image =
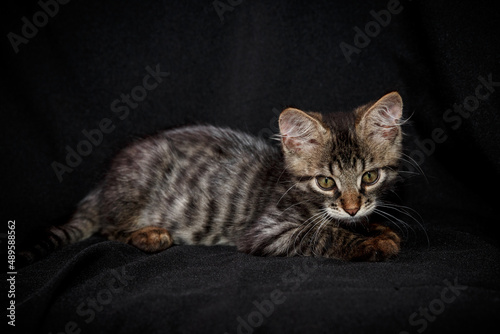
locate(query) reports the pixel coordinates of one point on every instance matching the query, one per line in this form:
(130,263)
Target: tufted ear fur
(380,123)
(301,133)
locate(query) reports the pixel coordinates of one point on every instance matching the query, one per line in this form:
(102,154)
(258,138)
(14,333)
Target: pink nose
(351,211)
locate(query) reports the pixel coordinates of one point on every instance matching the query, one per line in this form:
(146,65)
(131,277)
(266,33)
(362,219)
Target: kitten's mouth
(350,216)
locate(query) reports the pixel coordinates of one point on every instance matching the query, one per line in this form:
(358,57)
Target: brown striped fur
(212,186)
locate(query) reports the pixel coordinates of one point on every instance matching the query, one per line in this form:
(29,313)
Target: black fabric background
(262,57)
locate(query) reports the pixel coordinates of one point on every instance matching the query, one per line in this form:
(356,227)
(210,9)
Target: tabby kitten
(206,185)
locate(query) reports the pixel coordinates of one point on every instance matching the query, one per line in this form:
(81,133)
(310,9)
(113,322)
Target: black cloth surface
(92,76)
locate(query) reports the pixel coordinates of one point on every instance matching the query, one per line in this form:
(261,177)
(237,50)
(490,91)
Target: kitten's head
(346,161)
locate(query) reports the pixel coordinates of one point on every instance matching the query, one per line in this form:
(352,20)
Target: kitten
(204,185)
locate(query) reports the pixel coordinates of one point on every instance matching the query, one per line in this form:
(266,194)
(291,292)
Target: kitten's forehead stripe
(338,165)
(346,150)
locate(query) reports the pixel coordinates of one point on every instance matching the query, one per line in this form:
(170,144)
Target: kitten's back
(201,183)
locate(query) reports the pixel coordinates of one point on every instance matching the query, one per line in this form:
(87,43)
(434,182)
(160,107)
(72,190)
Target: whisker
(295,204)
(413,163)
(279,178)
(318,220)
(394,221)
(301,228)
(326,219)
(403,210)
(286,192)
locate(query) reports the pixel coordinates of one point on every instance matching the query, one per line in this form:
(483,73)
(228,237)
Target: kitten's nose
(352,211)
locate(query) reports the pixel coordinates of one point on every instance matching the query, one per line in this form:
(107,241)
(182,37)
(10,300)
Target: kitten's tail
(84,223)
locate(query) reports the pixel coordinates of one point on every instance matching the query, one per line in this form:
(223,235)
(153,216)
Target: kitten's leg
(337,242)
(332,242)
(150,239)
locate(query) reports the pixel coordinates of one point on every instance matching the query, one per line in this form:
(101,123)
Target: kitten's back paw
(151,239)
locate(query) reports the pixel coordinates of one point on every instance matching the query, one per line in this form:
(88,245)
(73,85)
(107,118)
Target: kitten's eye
(325,183)
(370,177)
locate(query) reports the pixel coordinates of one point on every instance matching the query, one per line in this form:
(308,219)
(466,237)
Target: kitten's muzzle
(351,202)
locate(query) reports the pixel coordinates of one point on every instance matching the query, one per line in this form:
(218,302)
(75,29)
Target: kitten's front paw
(384,245)
(151,239)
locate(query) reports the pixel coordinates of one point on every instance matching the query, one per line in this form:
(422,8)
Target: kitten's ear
(301,132)
(381,121)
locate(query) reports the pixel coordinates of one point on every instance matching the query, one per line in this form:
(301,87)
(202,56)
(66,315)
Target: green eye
(325,183)
(370,177)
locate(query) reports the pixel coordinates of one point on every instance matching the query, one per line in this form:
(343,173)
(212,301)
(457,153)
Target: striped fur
(213,186)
